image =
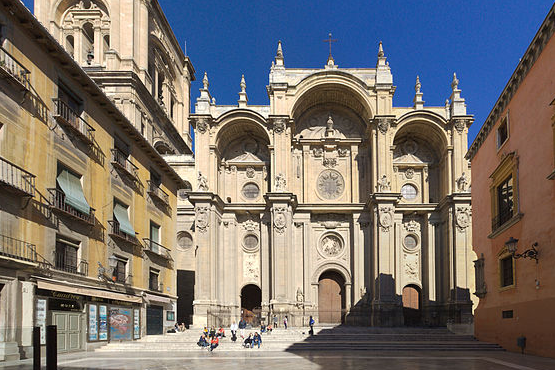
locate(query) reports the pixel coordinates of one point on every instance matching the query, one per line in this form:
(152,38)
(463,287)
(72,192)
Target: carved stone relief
(251,268)
(462,183)
(281,183)
(462,217)
(330,184)
(385,218)
(330,162)
(202,125)
(250,172)
(250,225)
(412,226)
(459,125)
(279,125)
(202,182)
(202,218)
(409,173)
(331,245)
(412,266)
(384,184)
(280,219)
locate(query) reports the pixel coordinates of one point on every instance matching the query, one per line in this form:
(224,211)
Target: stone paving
(260,360)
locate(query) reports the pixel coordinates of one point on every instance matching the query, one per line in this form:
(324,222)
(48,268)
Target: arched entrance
(251,300)
(412,305)
(331,297)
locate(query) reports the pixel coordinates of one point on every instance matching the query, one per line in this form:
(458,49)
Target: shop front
(85,316)
(160,313)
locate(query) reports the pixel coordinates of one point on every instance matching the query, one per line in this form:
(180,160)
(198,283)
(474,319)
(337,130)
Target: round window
(410,242)
(250,242)
(251,190)
(184,240)
(409,192)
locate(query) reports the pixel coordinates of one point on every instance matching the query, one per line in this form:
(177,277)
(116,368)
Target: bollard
(36,348)
(51,347)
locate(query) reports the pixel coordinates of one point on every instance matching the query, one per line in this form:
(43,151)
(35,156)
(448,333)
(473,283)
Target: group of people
(179,328)
(211,338)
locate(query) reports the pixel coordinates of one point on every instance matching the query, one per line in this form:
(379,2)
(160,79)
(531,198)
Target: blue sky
(481,41)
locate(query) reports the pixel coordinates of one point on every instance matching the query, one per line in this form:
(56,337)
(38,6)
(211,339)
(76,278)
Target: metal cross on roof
(330,40)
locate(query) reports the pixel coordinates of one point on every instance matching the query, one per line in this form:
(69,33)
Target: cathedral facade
(330,202)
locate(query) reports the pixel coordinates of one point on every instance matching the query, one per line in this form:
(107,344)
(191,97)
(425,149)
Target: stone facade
(330,181)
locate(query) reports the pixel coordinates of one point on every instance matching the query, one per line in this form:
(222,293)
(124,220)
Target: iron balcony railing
(155,191)
(503,216)
(9,65)
(21,250)
(157,248)
(64,264)
(70,119)
(120,160)
(17,178)
(155,286)
(116,233)
(58,203)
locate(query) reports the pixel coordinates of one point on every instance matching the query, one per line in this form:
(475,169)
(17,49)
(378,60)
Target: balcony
(155,192)
(155,286)
(117,234)
(67,265)
(58,205)
(503,216)
(68,118)
(16,179)
(121,162)
(11,68)
(157,249)
(21,250)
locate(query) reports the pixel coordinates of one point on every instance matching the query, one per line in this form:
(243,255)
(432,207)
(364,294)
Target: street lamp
(112,261)
(512,245)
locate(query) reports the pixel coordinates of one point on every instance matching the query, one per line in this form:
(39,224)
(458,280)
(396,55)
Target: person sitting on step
(212,332)
(202,342)
(214,342)
(248,341)
(269,329)
(221,332)
(256,340)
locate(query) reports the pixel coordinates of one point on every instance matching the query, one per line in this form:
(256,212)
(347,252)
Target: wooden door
(330,299)
(411,305)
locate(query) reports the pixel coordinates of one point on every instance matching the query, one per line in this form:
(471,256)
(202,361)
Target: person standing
(242,326)
(311,324)
(285,322)
(275,321)
(233,329)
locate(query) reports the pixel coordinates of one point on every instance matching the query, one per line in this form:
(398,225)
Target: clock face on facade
(409,192)
(330,184)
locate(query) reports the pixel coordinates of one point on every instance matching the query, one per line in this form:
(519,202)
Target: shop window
(503,132)
(119,274)
(504,194)
(506,271)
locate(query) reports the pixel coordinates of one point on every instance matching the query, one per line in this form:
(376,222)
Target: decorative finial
(455,83)
(243,84)
(205,81)
(279,53)
(380,50)
(418,85)
(329,126)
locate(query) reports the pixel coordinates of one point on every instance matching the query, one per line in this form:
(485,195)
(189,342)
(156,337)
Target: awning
(88,292)
(71,186)
(157,298)
(120,213)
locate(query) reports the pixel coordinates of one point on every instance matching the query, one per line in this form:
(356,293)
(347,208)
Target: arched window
(88,42)
(70,45)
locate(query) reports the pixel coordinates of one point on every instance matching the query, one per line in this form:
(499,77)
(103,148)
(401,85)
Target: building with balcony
(88,205)
(513,192)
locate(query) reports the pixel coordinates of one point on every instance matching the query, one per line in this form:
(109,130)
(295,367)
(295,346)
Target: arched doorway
(411,305)
(331,297)
(251,300)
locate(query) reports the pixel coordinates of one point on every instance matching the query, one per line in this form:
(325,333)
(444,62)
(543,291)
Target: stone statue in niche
(384,184)
(462,183)
(202,182)
(300,295)
(329,126)
(281,183)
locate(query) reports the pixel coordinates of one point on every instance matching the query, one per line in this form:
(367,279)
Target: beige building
(87,203)
(331,202)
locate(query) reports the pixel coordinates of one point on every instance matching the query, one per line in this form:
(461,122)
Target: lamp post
(512,245)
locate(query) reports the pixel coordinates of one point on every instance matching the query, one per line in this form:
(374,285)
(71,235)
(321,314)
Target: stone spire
(279,62)
(458,106)
(381,57)
(418,102)
(243,100)
(205,99)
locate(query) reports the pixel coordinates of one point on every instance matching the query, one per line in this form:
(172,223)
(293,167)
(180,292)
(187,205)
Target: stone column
(98,49)
(386,304)
(10,320)
(265,259)
(282,206)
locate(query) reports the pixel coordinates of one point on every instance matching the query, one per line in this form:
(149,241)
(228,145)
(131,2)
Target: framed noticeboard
(103,322)
(136,324)
(40,318)
(170,316)
(93,323)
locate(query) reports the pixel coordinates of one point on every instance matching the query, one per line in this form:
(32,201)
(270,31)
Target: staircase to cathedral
(340,338)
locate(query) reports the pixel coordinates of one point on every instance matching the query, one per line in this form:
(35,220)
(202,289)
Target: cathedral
(330,202)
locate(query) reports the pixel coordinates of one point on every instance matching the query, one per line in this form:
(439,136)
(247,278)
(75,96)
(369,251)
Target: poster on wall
(103,323)
(41,319)
(93,323)
(121,323)
(136,325)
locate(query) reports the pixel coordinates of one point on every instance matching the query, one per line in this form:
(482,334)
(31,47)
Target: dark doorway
(154,320)
(411,305)
(331,298)
(185,296)
(251,300)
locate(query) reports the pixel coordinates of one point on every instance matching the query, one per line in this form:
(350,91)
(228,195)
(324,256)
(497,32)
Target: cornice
(534,50)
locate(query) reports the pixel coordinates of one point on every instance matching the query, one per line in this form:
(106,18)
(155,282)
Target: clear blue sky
(481,40)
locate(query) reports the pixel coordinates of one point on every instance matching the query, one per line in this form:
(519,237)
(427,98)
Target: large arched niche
(335,88)
(312,124)
(419,148)
(62,6)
